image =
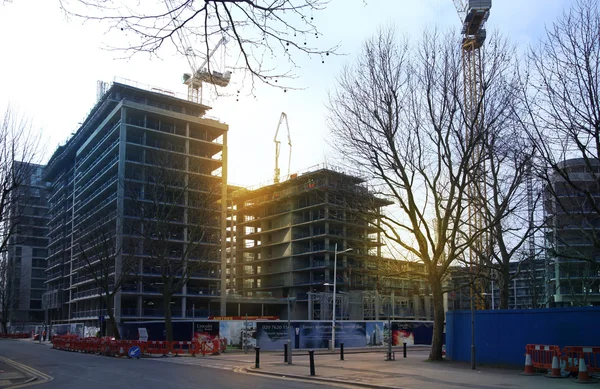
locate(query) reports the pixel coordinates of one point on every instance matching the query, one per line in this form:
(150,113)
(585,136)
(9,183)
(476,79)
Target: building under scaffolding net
(286,236)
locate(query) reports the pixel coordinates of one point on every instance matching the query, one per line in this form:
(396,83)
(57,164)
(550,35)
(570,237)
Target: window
(35,304)
(38,273)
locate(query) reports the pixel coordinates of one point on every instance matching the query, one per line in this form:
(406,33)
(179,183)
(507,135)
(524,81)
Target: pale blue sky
(50,66)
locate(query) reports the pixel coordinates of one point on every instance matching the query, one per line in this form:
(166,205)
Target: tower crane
(282,118)
(474,14)
(199,74)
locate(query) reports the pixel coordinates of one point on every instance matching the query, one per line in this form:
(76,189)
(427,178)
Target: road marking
(193,362)
(39,377)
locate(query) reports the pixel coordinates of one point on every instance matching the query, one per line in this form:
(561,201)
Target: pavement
(367,368)
(13,373)
(371,370)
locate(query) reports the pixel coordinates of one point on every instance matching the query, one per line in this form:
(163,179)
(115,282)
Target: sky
(50,65)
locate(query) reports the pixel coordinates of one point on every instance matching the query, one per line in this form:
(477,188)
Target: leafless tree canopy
(562,94)
(399,115)
(257,31)
(173,222)
(101,258)
(18,149)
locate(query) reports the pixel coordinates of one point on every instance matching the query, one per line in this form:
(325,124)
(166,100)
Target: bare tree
(100,257)
(562,93)
(176,220)
(260,31)
(399,114)
(7,292)
(18,150)
(508,210)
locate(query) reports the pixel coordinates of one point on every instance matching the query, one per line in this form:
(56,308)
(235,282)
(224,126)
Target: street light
(335,253)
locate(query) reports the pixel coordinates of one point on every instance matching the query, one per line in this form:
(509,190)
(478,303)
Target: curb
(251,370)
(33,374)
(19,383)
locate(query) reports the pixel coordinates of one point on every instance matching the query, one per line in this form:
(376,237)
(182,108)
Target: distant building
(526,288)
(573,233)
(27,245)
(286,239)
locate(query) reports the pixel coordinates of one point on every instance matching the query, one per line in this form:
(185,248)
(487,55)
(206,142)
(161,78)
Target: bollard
(285,351)
(311,356)
(404,349)
(257,362)
(341,351)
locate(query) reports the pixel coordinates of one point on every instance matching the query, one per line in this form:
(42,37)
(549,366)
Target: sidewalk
(372,371)
(11,376)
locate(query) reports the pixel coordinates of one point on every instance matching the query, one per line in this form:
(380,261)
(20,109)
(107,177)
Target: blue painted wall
(501,335)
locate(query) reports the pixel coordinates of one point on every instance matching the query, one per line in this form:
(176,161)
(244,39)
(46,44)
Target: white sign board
(142,334)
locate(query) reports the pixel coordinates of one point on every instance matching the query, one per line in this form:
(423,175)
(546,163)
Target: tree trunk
(504,288)
(438,319)
(111,317)
(168,320)
(4,326)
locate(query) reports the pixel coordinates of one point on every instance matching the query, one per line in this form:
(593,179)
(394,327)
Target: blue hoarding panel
(501,335)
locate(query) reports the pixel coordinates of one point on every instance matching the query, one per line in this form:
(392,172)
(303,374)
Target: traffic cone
(583,372)
(528,365)
(555,372)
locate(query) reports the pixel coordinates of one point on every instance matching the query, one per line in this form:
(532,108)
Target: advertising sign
(239,334)
(351,333)
(206,330)
(402,332)
(142,334)
(273,335)
(376,333)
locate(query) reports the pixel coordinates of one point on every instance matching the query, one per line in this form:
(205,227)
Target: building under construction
(288,236)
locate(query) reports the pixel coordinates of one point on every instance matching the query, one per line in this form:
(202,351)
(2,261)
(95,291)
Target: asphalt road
(83,371)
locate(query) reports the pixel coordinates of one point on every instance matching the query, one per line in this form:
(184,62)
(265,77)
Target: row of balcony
(88,183)
(149,290)
(98,144)
(146,312)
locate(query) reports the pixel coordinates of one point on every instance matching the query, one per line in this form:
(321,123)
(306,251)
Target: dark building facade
(287,236)
(143,171)
(572,211)
(27,244)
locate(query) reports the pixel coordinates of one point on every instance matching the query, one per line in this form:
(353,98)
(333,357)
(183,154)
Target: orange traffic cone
(528,365)
(555,372)
(583,372)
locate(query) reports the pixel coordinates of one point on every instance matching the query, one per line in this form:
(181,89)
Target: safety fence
(542,355)
(571,360)
(572,355)
(135,348)
(21,335)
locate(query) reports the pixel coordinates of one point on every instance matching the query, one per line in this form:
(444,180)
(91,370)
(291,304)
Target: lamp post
(335,253)
(193,321)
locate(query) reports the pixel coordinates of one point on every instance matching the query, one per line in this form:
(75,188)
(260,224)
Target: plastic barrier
(541,355)
(590,355)
(19,335)
(158,348)
(178,348)
(120,348)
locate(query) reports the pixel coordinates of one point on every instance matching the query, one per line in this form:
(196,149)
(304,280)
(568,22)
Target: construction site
(308,246)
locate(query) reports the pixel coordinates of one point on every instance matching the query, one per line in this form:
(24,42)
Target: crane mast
(473,15)
(282,118)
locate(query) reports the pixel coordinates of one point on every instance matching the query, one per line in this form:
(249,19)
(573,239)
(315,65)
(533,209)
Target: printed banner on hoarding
(206,330)
(273,335)
(402,332)
(239,334)
(351,333)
